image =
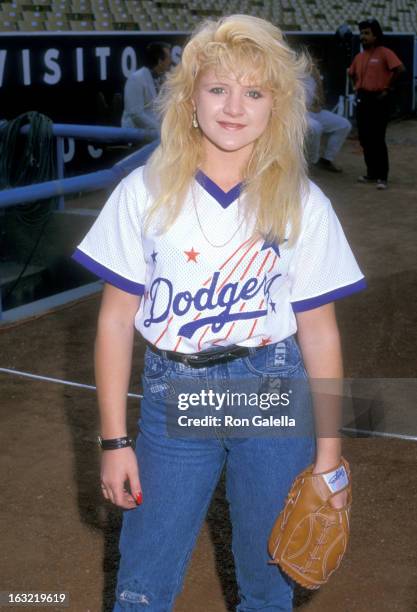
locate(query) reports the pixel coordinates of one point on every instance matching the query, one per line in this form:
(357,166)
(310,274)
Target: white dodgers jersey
(207,281)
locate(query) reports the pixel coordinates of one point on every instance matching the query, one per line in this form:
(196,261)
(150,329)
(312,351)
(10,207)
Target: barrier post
(60,168)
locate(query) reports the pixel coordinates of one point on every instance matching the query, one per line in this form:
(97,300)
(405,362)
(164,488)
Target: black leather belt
(205,358)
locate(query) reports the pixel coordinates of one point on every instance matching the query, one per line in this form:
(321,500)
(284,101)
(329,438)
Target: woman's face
(231,114)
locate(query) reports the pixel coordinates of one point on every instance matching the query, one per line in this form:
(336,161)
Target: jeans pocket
(282,359)
(155,366)
(157,377)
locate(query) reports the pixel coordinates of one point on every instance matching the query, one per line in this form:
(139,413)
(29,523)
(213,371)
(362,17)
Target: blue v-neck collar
(222,197)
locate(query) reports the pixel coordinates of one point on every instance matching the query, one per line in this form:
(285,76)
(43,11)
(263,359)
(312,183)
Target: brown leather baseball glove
(309,538)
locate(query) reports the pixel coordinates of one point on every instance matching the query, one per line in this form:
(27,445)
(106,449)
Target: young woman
(218,251)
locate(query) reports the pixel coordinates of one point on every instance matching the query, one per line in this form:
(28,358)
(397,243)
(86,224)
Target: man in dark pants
(374,71)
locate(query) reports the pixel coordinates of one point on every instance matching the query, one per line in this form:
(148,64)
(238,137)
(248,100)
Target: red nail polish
(139,498)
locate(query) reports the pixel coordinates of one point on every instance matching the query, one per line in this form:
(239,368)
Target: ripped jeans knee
(131,597)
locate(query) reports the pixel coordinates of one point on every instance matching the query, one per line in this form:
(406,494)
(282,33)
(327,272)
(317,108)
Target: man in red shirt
(373,71)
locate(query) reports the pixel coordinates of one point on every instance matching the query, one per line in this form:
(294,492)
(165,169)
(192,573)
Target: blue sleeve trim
(331,296)
(108,275)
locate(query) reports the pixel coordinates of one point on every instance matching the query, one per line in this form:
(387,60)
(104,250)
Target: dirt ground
(59,535)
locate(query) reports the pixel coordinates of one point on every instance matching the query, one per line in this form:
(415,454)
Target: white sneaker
(381,184)
(365,179)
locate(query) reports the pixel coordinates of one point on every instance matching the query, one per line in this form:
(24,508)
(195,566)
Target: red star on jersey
(265,341)
(192,255)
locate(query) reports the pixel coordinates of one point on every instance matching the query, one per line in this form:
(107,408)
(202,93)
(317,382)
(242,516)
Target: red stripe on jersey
(225,337)
(263,263)
(273,264)
(236,251)
(249,265)
(202,336)
(252,329)
(165,330)
(230,331)
(255,323)
(238,263)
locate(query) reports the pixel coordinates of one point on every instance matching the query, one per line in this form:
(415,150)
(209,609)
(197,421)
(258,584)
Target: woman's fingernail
(139,498)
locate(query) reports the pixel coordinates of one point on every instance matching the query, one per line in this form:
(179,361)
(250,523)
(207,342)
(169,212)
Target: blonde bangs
(247,64)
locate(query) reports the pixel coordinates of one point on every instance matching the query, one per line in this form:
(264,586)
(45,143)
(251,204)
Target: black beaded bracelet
(115,443)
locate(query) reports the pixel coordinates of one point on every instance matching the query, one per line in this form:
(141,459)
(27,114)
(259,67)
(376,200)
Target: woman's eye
(254,93)
(217,90)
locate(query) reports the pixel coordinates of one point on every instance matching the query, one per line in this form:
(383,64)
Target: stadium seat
(31,15)
(103,26)
(81,26)
(57,25)
(61,5)
(122,17)
(306,15)
(81,8)
(126,25)
(10,14)
(104,15)
(8,26)
(34,25)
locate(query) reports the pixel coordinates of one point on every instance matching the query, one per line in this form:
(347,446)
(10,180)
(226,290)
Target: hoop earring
(194,121)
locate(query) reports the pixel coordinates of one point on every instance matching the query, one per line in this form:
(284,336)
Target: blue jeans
(179,475)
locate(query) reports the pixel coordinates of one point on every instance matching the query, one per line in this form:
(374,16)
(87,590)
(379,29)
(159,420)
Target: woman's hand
(118,467)
(339,500)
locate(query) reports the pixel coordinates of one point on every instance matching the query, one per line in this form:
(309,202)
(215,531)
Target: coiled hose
(24,160)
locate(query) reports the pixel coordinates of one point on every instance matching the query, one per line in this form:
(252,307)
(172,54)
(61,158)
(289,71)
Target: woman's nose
(234,104)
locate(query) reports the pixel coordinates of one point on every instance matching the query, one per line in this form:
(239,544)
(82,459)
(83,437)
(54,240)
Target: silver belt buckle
(190,359)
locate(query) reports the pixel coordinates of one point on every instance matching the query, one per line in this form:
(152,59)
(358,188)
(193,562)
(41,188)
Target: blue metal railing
(84,182)
(98,133)
(87,182)
(92,181)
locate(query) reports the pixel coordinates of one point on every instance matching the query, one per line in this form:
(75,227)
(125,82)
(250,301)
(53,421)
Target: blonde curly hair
(275,175)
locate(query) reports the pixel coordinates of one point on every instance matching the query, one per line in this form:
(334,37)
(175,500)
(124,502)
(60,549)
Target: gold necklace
(217,246)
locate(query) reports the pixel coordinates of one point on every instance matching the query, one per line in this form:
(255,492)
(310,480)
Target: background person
(218,251)
(142,87)
(335,128)
(374,70)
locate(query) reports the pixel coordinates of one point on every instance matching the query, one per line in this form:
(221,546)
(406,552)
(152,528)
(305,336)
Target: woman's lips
(231,126)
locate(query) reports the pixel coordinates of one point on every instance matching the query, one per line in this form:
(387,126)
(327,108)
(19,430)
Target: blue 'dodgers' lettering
(203,298)
(157,288)
(163,300)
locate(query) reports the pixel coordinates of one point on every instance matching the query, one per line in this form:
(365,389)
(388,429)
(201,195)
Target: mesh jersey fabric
(196,295)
